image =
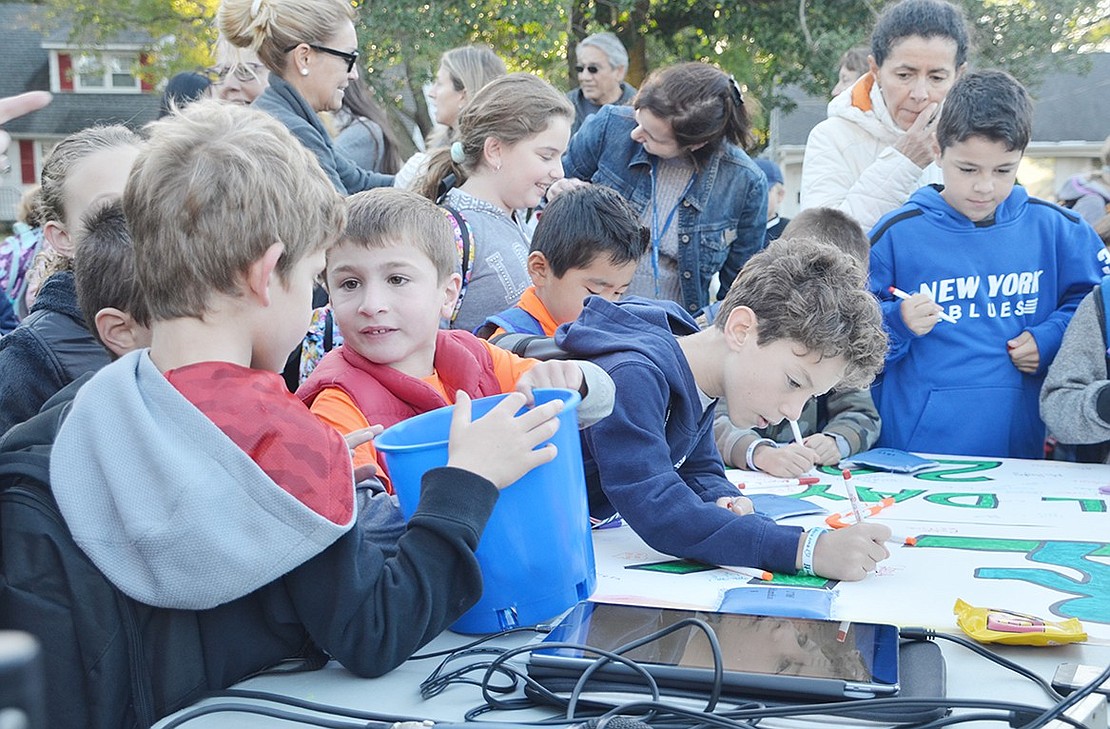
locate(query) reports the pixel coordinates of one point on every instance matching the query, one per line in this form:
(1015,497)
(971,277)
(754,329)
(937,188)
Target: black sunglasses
(592,69)
(350,57)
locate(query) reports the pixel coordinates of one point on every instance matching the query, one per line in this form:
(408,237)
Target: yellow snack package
(988,625)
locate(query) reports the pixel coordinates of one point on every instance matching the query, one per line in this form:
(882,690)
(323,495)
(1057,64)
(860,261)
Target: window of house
(106,72)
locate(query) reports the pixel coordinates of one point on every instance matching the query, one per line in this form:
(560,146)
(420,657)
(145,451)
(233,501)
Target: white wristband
(808,549)
(751,451)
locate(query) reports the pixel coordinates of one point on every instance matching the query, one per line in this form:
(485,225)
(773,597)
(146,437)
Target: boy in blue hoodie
(993,278)
(797,322)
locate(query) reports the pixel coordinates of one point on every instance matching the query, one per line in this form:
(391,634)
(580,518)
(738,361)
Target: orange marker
(753,572)
(837,521)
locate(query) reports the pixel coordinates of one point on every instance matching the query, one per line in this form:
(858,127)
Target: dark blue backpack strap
(464,241)
(514,320)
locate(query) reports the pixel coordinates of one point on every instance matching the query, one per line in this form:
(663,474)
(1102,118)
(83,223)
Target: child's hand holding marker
(786,461)
(919,311)
(849,554)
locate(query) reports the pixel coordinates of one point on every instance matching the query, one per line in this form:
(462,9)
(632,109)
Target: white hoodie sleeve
(848,169)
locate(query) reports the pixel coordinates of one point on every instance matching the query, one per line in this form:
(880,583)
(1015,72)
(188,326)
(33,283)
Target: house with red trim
(90,86)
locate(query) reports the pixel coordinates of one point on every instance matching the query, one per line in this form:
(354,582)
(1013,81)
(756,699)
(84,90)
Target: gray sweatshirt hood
(165,504)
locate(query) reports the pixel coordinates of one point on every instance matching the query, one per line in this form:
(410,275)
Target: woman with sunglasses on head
(676,157)
(311,50)
(238,76)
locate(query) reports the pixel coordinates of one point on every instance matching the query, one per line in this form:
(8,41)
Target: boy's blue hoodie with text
(654,459)
(955,389)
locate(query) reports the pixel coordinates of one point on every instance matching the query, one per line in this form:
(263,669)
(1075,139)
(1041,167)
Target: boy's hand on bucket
(356,438)
(499,446)
(552,373)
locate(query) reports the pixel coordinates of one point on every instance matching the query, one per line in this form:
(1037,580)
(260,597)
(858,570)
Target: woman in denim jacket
(675,156)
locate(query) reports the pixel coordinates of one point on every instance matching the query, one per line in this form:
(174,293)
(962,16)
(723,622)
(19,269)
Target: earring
(304,71)
(497,168)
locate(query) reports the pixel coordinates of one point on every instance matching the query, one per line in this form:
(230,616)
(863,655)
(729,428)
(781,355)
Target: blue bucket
(536,553)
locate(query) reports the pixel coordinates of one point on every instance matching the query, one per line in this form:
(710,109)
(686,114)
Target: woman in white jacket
(879,142)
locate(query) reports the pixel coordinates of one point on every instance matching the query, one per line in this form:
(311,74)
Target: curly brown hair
(811,293)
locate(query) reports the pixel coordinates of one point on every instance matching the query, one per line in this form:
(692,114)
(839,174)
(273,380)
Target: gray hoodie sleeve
(600,391)
(1077,380)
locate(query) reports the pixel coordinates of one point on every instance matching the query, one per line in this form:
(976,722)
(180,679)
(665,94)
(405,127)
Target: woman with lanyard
(675,155)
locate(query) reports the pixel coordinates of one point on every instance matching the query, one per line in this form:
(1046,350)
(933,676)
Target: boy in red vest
(392,278)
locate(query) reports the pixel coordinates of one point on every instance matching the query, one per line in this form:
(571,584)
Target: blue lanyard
(657,233)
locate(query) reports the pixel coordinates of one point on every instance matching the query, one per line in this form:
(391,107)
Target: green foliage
(402,42)
(766,44)
(182,32)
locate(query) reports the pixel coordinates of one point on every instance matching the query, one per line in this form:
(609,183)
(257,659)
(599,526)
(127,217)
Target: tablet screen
(866,654)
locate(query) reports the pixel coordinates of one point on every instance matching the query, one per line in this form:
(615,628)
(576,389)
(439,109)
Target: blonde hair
(215,188)
(511,109)
(29,209)
(386,217)
(470,69)
(271,27)
(66,156)
(50,204)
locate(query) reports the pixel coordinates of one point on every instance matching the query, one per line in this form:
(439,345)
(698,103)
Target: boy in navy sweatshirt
(993,278)
(797,322)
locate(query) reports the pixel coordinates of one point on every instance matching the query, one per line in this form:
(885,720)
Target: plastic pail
(536,553)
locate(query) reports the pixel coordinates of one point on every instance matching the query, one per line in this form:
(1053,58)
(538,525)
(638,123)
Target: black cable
(273,713)
(477,642)
(663,715)
(1057,712)
(299,703)
(710,634)
(513,652)
(964,718)
(927,634)
(438,680)
(836,708)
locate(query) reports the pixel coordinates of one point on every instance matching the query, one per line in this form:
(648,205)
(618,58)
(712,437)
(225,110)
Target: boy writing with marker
(391,279)
(832,426)
(1007,270)
(587,243)
(211,496)
(796,323)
